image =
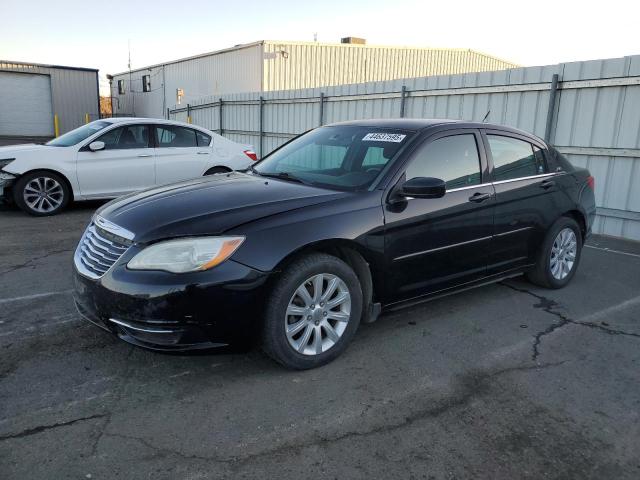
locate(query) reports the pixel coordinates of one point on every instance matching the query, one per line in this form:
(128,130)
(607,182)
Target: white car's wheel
(41,193)
(214,170)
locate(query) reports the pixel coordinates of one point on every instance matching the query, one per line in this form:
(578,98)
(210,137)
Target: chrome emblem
(113,228)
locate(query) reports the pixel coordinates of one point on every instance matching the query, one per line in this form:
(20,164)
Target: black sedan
(328,230)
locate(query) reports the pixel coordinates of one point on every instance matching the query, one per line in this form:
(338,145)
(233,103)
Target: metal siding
(74,92)
(310,65)
(201,77)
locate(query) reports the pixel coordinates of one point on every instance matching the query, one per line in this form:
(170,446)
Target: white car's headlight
(5,161)
(186,255)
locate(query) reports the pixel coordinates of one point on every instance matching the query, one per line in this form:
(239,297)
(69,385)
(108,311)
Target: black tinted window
(172,136)
(453,159)
(130,136)
(513,158)
(203,139)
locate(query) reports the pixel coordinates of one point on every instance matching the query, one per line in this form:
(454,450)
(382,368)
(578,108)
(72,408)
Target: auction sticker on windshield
(383,137)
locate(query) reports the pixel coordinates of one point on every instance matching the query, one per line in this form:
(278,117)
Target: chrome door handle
(479,197)
(203,153)
(145,155)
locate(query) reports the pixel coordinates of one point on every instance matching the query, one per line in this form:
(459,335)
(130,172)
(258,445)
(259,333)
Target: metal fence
(590,110)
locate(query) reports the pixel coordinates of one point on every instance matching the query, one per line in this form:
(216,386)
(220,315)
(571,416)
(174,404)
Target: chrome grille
(98,251)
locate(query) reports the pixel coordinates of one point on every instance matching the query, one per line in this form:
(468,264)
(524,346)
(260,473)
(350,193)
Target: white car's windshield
(79,134)
(341,157)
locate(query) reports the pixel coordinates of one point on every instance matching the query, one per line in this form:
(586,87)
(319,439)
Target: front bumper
(6,180)
(173,312)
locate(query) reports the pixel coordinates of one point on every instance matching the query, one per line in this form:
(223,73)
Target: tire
(313,350)
(557,244)
(215,170)
(41,193)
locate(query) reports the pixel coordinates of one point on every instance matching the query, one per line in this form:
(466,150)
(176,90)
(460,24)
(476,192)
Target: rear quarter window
(202,139)
(558,162)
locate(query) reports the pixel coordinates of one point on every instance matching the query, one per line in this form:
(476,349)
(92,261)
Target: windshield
(79,134)
(342,157)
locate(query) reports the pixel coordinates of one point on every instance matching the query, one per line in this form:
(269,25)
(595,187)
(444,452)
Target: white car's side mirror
(95,146)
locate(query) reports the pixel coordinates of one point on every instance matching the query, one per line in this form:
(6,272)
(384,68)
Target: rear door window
(171,136)
(514,158)
(454,159)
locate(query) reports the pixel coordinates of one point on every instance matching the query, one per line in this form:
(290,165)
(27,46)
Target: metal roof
(44,65)
(288,42)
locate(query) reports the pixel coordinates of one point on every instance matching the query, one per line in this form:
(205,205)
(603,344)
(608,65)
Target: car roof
(417,124)
(116,120)
(400,123)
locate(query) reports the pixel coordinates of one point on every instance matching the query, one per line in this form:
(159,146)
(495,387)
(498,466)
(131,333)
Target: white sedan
(112,157)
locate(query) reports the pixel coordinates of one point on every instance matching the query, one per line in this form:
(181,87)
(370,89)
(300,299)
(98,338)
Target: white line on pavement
(608,311)
(34,296)
(613,251)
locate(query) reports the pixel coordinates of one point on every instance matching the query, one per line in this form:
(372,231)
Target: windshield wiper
(282,176)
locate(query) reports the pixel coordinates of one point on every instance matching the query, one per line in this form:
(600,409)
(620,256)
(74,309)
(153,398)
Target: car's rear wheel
(41,193)
(559,255)
(215,170)
(312,312)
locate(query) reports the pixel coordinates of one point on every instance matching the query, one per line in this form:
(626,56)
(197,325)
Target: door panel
(178,156)
(526,199)
(125,165)
(523,213)
(436,243)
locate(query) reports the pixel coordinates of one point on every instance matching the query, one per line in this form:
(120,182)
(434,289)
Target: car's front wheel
(41,193)
(312,312)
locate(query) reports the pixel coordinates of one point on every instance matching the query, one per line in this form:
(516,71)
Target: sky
(98,35)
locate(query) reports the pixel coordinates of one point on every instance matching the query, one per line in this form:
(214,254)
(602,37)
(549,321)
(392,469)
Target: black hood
(209,205)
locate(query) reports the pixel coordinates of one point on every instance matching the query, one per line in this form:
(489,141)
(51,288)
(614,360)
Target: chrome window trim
(542,175)
(113,228)
(480,185)
(424,252)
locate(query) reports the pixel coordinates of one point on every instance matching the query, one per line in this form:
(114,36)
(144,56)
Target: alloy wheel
(317,314)
(563,253)
(43,194)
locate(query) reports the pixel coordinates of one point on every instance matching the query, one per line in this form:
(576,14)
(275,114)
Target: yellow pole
(56,125)
(86,118)
(189,119)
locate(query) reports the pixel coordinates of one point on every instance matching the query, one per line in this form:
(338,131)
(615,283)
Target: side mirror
(424,187)
(96,146)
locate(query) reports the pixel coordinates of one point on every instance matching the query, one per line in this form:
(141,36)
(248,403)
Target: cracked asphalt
(504,381)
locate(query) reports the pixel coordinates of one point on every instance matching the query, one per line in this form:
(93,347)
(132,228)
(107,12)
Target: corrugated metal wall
(596,117)
(74,91)
(267,66)
(236,70)
(290,65)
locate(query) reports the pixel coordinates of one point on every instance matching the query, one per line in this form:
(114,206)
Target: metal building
(274,65)
(39,101)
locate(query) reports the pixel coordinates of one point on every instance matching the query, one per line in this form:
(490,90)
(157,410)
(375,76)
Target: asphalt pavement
(500,382)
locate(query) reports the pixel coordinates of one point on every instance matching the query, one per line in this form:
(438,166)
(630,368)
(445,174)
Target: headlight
(5,161)
(186,255)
